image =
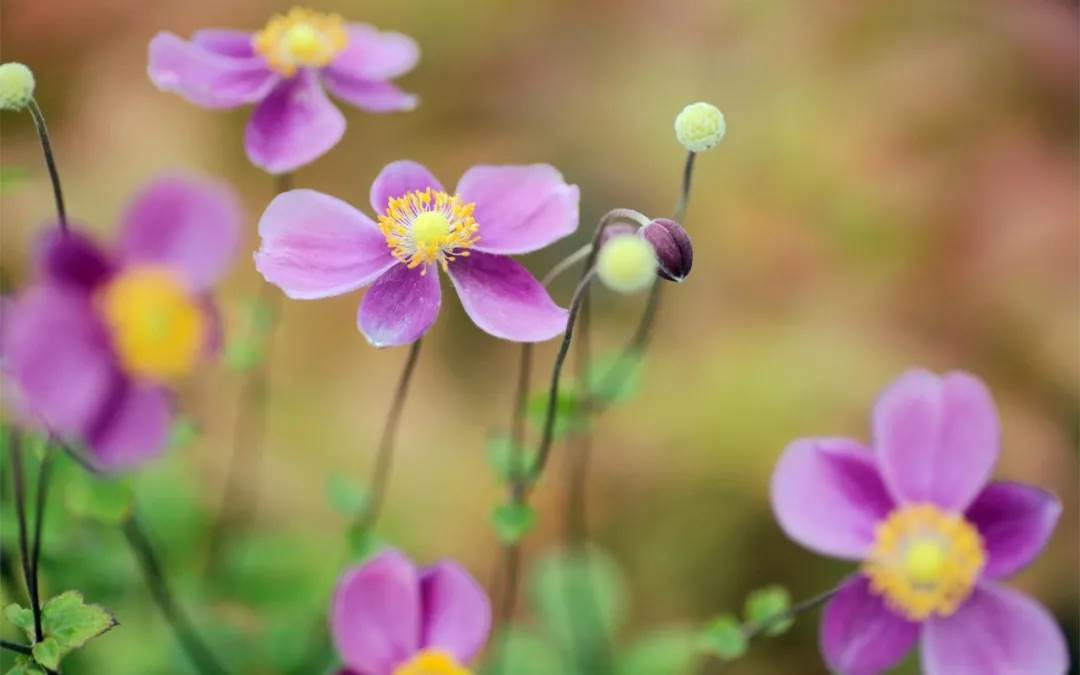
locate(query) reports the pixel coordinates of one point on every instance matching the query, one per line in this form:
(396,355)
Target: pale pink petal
(372,54)
(206,77)
(293,126)
(456,613)
(398,179)
(401,306)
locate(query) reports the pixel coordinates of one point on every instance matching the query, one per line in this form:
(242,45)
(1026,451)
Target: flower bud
(674,252)
(627,264)
(16,86)
(700,126)
(616,230)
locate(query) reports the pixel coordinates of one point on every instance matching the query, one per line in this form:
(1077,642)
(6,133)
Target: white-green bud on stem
(16,86)
(700,126)
(627,264)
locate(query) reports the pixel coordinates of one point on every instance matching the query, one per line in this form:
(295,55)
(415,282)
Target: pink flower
(283,69)
(315,246)
(388,618)
(94,344)
(933,536)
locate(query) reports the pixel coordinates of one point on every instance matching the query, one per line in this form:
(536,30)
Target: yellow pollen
(158,329)
(301,39)
(425,227)
(432,662)
(924,561)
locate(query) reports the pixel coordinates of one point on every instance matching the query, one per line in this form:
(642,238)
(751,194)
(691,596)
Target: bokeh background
(898,187)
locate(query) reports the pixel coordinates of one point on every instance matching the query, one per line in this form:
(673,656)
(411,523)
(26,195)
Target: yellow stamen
(425,227)
(925,561)
(158,329)
(301,39)
(432,662)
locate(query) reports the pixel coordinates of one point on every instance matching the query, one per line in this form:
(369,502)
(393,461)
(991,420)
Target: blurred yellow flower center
(158,329)
(301,39)
(426,227)
(432,662)
(925,561)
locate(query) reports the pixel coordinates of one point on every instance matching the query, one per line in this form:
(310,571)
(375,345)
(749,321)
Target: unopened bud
(16,86)
(674,252)
(700,126)
(627,264)
(616,230)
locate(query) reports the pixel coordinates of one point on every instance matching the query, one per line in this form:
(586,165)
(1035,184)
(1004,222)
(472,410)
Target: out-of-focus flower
(316,246)
(389,618)
(93,345)
(283,69)
(16,86)
(933,536)
(627,264)
(700,126)
(674,251)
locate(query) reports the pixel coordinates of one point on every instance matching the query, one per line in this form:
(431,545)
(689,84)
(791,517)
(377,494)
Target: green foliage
(242,355)
(512,521)
(97,498)
(615,378)
(767,607)
(24,665)
(182,434)
(669,652)
(363,543)
(724,638)
(346,497)
(21,618)
(71,622)
(523,652)
(504,460)
(47,653)
(581,598)
(569,411)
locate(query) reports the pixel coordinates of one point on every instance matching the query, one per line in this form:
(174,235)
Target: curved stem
(29,571)
(44,470)
(50,161)
(566,263)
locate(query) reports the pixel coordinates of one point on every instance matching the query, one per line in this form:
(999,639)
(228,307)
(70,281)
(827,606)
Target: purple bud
(674,251)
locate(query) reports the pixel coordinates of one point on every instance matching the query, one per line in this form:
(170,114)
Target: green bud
(16,86)
(627,264)
(700,126)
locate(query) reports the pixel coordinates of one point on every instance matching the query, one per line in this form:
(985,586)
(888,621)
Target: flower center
(301,39)
(432,662)
(158,329)
(426,227)
(924,561)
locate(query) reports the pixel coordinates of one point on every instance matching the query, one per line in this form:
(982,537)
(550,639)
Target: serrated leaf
(724,638)
(24,665)
(72,622)
(21,618)
(767,607)
(97,498)
(512,521)
(346,497)
(47,653)
(504,459)
(615,378)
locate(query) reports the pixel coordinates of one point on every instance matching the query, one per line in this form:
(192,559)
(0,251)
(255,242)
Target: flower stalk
(50,161)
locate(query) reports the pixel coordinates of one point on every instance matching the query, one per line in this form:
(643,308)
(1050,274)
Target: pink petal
(375,55)
(505,300)
(188,224)
(316,246)
(400,178)
(227,42)
(1015,522)
(369,95)
(936,438)
(998,631)
(456,611)
(520,208)
(206,77)
(859,635)
(400,307)
(827,495)
(375,616)
(73,260)
(133,429)
(295,124)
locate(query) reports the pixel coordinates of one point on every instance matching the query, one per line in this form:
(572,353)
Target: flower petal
(372,96)
(224,41)
(859,635)
(519,208)
(73,260)
(375,616)
(827,495)
(998,631)
(293,126)
(208,77)
(1015,522)
(400,307)
(937,438)
(372,54)
(189,224)
(316,246)
(132,429)
(505,300)
(456,611)
(400,178)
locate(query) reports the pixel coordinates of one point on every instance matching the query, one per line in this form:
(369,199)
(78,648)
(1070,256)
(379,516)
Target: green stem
(50,161)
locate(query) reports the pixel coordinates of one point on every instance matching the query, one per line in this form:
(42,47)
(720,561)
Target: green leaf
(21,618)
(512,521)
(346,497)
(569,412)
(47,653)
(523,653)
(182,434)
(97,498)
(72,622)
(24,665)
(363,544)
(615,378)
(242,355)
(724,638)
(669,652)
(504,460)
(581,597)
(766,605)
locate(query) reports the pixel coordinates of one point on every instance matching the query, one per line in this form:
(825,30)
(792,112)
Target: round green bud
(627,264)
(16,86)
(700,126)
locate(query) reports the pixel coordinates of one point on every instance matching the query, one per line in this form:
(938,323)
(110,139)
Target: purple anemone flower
(92,346)
(388,618)
(933,536)
(316,246)
(283,70)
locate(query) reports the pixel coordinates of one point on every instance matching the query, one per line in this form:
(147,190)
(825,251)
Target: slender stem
(566,263)
(385,457)
(44,469)
(29,572)
(21,649)
(50,162)
(181,625)
(684,192)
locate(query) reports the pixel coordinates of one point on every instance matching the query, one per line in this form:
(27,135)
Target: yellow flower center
(301,39)
(432,662)
(426,227)
(924,561)
(158,329)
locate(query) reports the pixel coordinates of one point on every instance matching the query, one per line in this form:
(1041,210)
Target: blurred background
(898,187)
